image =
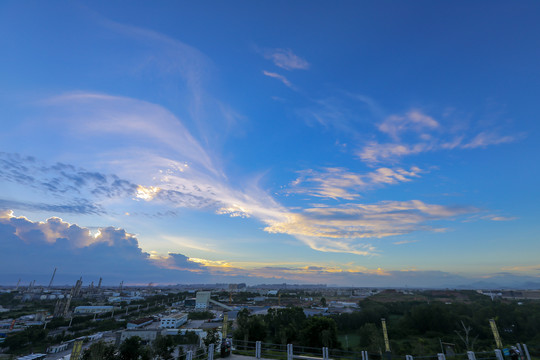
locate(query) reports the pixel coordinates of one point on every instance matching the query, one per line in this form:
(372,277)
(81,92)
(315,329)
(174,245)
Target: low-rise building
(53,349)
(173,321)
(145,334)
(32,357)
(202,299)
(93,309)
(139,323)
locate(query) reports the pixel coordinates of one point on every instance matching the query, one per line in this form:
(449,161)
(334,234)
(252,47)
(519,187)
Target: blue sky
(355,143)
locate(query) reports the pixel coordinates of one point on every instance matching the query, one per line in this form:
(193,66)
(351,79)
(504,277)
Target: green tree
(320,331)
(371,337)
(100,351)
(250,327)
(284,325)
(163,347)
(212,337)
(323,301)
(133,349)
(31,336)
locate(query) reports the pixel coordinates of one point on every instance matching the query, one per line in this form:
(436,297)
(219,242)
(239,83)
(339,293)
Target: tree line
(414,327)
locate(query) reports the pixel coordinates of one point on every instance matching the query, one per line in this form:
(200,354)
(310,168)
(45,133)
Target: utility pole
(52,278)
(385,334)
(496,333)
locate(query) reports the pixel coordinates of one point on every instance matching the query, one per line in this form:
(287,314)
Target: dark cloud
(182,262)
(61,178)
(77,185)
(187,199)
(34,248)
(79,206)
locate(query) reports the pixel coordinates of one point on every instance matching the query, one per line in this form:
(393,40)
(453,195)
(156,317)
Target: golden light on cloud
(211,263)
(535,268)
(147,193)
(234,211)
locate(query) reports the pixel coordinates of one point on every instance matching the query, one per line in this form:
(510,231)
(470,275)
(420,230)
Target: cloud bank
(107,252)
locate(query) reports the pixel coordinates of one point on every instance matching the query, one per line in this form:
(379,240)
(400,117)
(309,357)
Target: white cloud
(485,139)
(424,134)
(281,78)
(502,218)
(374,152)
(414,121)
(93,114)
(338,183)
(286,59)
(338,228)
(76,250)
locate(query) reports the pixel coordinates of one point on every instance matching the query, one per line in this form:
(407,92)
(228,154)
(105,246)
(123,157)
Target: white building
(144,334)
(202,299)
(93,309)
(173,321)
(53,349)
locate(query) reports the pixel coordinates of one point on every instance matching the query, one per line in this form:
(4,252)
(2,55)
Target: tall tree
(133,349)
(100,351)
(163,347)
(320,331)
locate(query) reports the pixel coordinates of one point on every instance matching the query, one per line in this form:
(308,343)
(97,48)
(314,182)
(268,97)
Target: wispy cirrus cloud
(502,218)
(414,120)
(338,228)
(281,78)
(485,139)
(339,183)
(286,59)
(176,169)
(415,133)
(168,165)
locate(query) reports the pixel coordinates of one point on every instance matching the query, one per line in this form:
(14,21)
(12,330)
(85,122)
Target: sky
(352,143)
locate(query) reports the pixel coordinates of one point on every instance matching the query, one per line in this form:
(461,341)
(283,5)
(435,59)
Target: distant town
(40,321)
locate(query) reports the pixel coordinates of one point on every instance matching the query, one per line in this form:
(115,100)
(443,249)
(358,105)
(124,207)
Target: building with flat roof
(93,309)
(32,357)
(145,334)
(202,299)
(173,321)
(53,349)
(139,323)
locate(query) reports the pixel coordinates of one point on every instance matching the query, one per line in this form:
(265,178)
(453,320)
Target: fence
(260,350)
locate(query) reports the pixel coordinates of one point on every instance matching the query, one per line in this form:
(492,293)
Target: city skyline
(351,144)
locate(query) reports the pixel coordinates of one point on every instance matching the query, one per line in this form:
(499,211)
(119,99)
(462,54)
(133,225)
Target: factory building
(139,323)
(53,349)
(202,299)
(93,309)
(173,321)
